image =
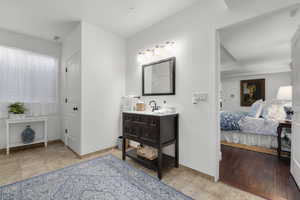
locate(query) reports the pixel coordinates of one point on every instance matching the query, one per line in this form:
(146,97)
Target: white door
(295,159)
(72,101)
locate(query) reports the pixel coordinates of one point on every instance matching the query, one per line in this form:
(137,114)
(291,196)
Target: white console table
(25,121)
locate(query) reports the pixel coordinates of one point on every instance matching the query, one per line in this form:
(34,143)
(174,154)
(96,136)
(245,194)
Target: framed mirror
(158,78)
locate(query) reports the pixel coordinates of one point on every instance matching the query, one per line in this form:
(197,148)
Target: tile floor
(22,164)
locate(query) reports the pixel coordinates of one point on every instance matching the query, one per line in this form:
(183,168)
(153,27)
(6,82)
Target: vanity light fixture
(156,51)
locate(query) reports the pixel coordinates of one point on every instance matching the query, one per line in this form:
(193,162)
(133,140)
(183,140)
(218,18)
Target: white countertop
(149,113)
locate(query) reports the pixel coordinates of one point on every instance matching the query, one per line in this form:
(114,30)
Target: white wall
(25,42)
(193,32)
(231,86)
(71,44)
(103,84)
(21,41)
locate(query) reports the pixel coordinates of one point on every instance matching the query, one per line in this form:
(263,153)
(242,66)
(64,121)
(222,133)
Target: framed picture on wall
(252,90)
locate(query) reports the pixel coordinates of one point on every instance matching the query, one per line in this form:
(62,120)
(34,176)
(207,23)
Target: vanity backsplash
(136,103)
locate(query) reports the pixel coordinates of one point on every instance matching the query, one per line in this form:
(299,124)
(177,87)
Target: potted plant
(16,110)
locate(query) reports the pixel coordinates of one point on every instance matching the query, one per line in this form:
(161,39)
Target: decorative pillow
(274,111)
(256,109)
(229,120)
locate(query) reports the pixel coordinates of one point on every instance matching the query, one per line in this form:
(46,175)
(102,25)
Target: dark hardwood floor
(261,174)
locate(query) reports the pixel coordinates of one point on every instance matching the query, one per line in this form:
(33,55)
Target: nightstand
(282,124)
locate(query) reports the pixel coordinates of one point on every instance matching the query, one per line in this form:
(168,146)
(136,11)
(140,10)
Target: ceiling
(245,5)
(47,18)
(259,46)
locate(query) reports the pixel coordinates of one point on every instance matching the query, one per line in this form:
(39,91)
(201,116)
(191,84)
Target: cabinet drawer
(128,117)
(142,119)
(130,129)
(149,134)
(153,122)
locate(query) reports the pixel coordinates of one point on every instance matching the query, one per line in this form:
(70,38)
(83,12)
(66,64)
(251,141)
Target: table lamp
(285,95)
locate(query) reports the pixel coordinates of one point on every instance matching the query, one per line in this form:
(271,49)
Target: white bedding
(259,126)
(237,137)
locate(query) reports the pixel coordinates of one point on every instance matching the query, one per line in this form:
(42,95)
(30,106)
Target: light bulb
(169,46)
(140,57)
(149,53)
(157,50)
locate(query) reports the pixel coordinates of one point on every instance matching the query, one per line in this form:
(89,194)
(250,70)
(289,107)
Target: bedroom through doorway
(256,104)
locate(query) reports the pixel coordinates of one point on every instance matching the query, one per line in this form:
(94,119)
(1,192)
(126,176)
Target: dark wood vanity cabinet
(155,131)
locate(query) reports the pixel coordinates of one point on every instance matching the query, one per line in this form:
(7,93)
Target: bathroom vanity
(154,130)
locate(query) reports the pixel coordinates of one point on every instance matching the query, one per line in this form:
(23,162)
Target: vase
(28,135)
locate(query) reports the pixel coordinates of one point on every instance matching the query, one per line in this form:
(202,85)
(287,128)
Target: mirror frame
(173,60)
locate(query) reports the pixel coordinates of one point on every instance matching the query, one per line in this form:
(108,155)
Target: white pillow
(274,111)
(256,109)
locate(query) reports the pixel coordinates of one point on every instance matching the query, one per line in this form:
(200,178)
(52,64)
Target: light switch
(197,97)
(203,96)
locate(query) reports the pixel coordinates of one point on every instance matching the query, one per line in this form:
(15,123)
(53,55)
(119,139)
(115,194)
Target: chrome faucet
(154,107)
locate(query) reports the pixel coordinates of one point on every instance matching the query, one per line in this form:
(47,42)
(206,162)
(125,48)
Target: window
(27,77)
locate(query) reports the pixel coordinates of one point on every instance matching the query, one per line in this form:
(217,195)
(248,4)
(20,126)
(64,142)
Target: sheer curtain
(30,78)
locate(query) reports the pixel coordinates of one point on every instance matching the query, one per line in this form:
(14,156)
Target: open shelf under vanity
(168,161)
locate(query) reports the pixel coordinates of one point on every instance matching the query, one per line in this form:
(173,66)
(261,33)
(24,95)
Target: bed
(240,128)
(250,139)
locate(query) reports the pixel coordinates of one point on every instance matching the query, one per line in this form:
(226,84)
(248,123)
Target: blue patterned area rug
(105,178)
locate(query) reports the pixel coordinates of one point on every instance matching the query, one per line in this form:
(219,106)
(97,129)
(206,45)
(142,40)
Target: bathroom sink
(160,112)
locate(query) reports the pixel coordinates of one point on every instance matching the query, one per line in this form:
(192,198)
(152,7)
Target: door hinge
(66,100)
(66,69)
(66,130)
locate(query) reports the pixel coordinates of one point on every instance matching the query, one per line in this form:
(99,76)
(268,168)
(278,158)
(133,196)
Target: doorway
(254,65)
(72,103)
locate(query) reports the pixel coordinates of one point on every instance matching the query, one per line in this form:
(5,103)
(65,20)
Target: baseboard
(41,144)
(204,175)
(96,152)
(77,155)
(253,148)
